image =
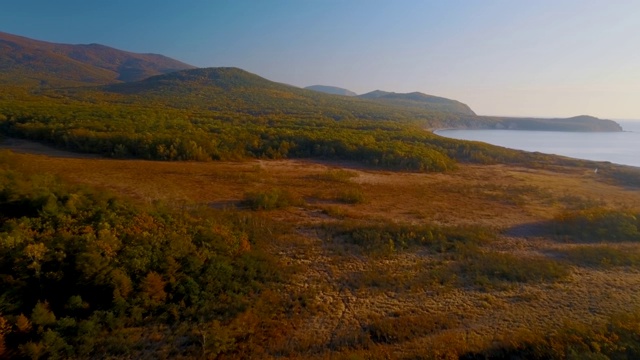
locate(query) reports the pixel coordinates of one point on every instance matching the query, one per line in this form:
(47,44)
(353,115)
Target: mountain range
(98,72)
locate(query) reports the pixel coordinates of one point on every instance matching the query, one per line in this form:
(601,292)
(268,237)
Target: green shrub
(602,256)
(405,327)
(390,237)
(352,196)
(335,211)
(493,269)
(271,199)
(598,225)
(619,338)
(337,175)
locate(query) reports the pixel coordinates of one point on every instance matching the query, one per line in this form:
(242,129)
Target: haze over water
(616,147)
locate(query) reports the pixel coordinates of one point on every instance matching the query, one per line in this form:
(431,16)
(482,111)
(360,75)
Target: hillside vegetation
(227,113)
(331,90)
(419,100)
(31,62)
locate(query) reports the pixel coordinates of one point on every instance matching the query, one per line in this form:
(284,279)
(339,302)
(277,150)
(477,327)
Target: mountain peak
(375,94)
(215,82)
(221,77)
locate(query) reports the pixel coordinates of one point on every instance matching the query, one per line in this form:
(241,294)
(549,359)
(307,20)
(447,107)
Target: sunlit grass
(365,281)
(603,256)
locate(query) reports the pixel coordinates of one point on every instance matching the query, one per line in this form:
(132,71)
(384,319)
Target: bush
(392,237)
(338,175)
(335,211)
(618,339)
(269,200)
(598,225)
(602,256)
(491,269)
(352,196)
(397,329)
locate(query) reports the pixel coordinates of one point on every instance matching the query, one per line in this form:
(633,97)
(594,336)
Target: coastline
(435,130)
(619,148)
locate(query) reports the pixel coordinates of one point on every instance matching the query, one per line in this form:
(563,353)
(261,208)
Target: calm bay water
(619,148)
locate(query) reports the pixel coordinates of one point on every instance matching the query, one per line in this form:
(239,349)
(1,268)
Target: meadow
(485,261)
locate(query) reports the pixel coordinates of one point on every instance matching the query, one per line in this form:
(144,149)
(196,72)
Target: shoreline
(582,145)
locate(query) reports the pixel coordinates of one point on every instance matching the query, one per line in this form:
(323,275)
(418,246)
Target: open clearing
(348,291)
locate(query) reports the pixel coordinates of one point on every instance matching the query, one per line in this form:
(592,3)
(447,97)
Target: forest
(227,113)
(121,130)
(85,273)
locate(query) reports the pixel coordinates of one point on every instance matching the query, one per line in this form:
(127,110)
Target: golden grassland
(393,302)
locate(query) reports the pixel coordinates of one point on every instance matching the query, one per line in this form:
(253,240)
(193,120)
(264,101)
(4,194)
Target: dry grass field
(393,302)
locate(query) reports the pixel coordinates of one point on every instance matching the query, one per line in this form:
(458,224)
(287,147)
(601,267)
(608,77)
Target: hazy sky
(510,57)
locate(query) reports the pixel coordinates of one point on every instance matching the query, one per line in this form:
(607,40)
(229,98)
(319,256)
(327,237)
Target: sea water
(616,147)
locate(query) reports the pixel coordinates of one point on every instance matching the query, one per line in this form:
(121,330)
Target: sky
(547,58)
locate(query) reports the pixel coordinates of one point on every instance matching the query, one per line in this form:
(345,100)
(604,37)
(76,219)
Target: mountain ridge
(232,89)
(331,90)
(155,79)
(25,61)
(419,100)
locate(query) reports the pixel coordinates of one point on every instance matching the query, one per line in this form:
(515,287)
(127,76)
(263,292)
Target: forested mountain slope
(25,61)
(331,90)
(228,113)
(225,113)
(419,100)
(228,88)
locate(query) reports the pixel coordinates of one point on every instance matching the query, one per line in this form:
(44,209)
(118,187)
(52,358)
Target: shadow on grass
(228,204)
(529,230)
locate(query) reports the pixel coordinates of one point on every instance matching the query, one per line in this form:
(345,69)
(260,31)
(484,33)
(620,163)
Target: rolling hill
(231,114)
(25,61)
(419,100)
(228,113)
(331,90)
(228,89)
(145,78)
